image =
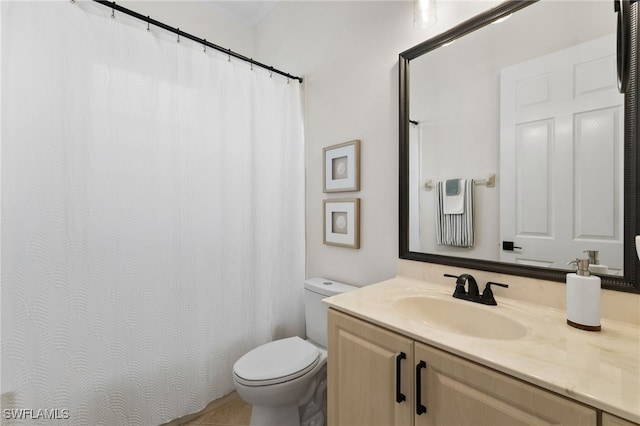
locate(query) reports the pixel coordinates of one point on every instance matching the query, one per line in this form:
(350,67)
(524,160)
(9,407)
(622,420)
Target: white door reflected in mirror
(561,139)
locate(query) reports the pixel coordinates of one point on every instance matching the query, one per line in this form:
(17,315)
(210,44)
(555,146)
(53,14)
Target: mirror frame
(630,282)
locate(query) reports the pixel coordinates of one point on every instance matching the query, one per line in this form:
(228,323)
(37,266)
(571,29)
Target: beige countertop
(600,369)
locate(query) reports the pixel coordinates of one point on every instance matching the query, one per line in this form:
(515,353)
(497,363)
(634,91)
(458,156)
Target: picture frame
(341,222)
(341,167)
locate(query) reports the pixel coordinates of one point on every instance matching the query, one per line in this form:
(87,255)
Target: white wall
(347,52)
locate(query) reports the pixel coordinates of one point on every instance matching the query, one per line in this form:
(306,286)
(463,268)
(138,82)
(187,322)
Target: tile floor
(235,412)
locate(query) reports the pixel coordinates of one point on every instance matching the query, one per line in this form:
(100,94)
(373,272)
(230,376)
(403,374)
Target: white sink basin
(461,317)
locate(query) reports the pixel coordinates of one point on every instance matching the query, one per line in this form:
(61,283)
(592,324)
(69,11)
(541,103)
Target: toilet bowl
(285,380)
(275,379)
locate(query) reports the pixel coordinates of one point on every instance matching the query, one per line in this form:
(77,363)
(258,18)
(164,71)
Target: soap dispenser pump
(583,298)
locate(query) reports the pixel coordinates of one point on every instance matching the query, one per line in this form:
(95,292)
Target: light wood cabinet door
(362,374)
(611,420)
(459,392)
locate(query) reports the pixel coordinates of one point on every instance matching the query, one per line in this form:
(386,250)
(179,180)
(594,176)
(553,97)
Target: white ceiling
(249,12)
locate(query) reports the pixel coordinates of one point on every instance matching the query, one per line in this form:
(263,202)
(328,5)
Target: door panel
(534,204)
(594,176)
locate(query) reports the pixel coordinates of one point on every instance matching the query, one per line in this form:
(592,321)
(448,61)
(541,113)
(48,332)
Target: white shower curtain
(152,216)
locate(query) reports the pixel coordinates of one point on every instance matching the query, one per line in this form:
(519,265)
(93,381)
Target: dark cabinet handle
(420,409)
(399,395)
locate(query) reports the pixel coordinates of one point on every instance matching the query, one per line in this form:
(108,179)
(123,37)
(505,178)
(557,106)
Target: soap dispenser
(583,297)
(594,264)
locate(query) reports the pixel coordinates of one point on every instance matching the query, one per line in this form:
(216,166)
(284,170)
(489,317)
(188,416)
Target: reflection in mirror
(532,127)
(516,144)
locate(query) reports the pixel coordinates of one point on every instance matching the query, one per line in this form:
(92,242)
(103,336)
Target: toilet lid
(276,362)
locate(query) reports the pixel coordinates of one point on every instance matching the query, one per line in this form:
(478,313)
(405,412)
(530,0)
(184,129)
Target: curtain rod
(112,5)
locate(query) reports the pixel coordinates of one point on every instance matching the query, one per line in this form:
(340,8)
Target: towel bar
(489,182)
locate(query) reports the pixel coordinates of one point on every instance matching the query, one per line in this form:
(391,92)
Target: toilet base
(284,415)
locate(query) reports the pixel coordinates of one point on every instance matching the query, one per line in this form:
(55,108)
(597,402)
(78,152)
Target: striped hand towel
(455,229)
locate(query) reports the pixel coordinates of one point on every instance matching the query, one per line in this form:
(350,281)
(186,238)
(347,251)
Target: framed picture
(341,167)
(341,222)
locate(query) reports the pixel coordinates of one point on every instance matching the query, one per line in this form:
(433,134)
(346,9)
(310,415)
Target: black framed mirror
(425,68)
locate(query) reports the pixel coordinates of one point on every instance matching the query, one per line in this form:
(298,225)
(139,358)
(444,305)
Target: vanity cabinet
(365,389)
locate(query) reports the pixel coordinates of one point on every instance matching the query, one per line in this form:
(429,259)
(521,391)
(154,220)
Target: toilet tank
(316,289)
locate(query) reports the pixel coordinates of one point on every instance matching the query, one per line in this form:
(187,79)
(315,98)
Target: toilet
(286,380)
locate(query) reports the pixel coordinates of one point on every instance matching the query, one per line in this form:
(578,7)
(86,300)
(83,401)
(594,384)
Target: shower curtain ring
(178,35)
(271,72)
(113,13)
(205,46)
(148,20)
(229,58)
(251,64)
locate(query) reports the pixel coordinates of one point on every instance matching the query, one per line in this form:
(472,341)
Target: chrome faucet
(473,294)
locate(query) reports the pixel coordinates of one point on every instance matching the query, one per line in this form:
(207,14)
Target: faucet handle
(487,294)
(460,280)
